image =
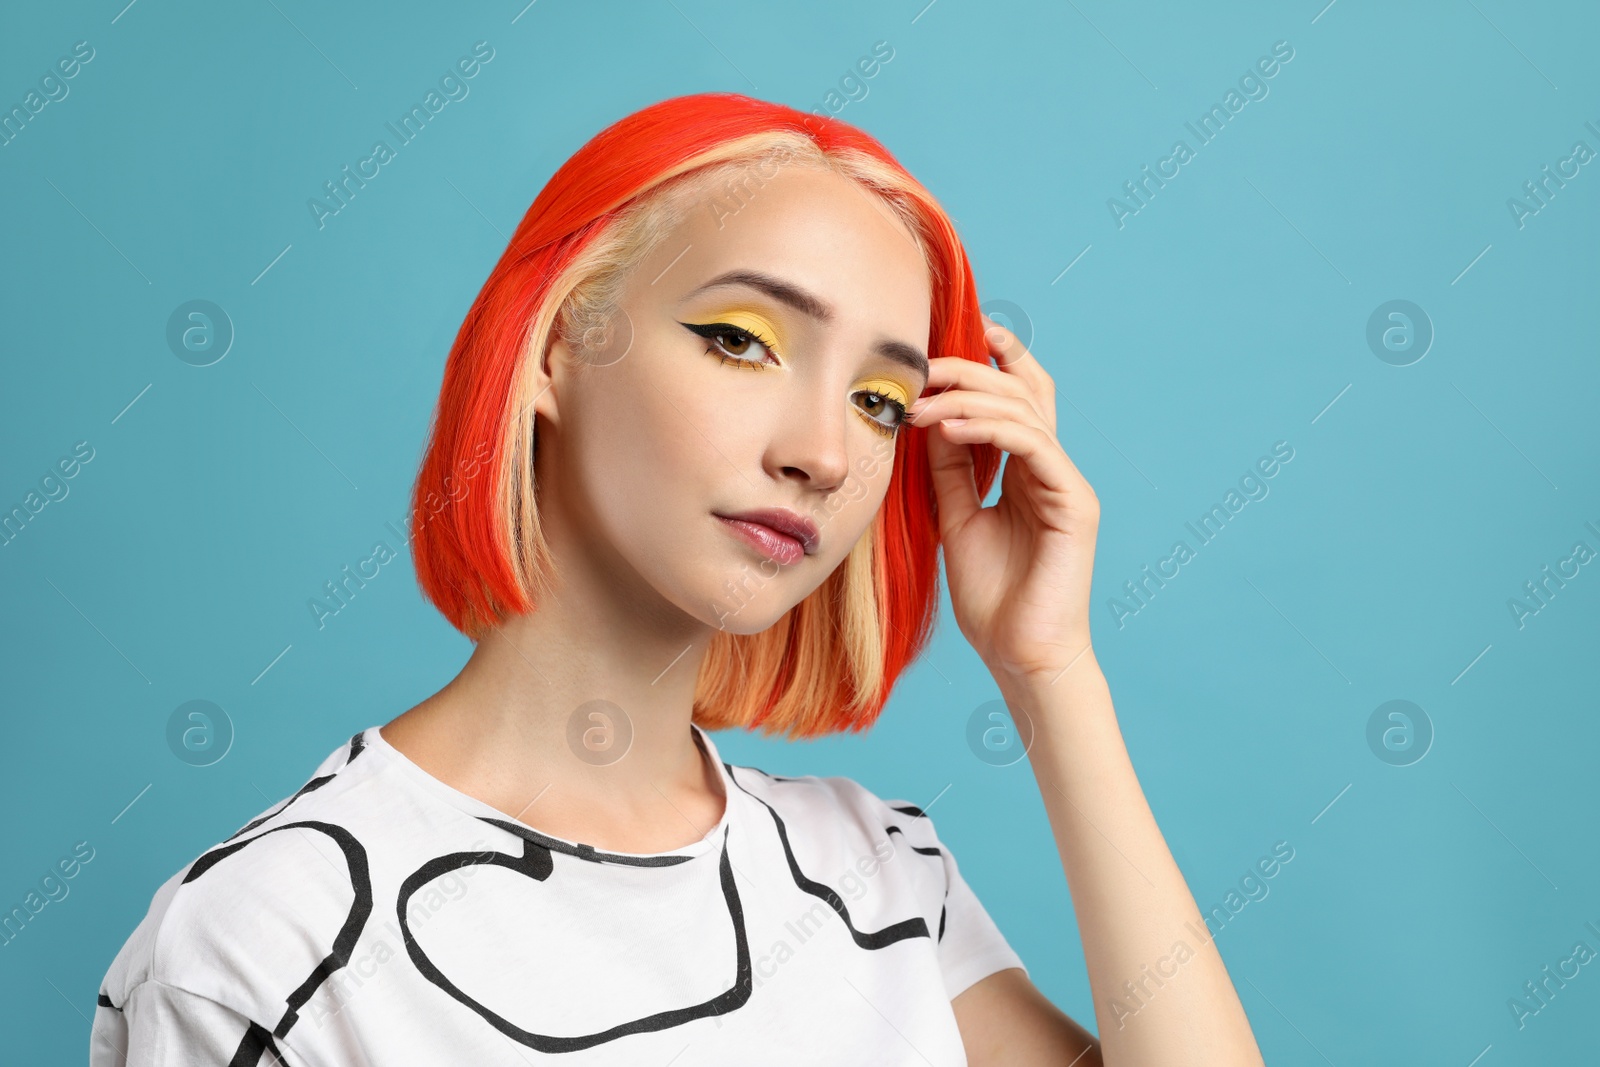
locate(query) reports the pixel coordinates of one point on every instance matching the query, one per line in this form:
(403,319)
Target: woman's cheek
(720,417)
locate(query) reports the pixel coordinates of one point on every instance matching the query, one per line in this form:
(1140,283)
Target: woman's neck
(586,741)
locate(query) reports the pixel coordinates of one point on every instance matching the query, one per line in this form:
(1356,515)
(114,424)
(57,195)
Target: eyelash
(713,330)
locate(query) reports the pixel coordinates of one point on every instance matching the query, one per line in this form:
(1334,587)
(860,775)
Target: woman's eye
(877,407)
(733,344)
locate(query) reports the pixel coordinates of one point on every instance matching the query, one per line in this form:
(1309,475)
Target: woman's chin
(751,617)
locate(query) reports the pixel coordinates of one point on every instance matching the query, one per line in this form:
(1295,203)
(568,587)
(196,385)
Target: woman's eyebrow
(780,290)
(904,354)
(810,304)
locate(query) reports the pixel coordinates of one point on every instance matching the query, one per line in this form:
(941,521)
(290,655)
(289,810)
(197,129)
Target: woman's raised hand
(1019,571)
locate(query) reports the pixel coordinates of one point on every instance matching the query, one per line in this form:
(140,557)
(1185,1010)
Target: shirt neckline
(375,741)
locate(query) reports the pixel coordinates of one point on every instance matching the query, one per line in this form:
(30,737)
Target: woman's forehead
(813,227)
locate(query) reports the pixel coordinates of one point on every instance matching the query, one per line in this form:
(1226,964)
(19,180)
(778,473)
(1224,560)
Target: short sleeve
(968,942)
(164,1026)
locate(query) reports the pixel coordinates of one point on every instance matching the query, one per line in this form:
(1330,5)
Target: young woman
(680,479)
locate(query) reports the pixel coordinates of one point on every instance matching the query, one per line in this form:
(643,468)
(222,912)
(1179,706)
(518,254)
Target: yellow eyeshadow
(889,388)
(755,324)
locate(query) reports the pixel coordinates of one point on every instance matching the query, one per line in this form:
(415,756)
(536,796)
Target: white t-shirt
(381,917)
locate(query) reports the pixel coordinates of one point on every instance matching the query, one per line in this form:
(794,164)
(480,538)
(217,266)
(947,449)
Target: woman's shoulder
(840,809)
(828,791)
(285,882)
(878,852)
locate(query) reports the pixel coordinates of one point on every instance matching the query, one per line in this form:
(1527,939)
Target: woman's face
(760,359)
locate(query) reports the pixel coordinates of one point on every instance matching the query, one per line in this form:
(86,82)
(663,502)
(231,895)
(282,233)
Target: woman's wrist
(1048,684)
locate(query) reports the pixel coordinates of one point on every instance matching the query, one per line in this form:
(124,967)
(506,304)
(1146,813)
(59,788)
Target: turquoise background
(1228,314)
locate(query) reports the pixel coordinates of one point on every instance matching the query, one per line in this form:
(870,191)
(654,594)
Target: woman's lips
(774,545)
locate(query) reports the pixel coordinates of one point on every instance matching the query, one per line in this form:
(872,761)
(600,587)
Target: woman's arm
(1019,574)
(1161,991)
(1006,1022)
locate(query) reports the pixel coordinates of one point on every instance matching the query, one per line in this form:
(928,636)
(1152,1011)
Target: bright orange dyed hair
(829,664)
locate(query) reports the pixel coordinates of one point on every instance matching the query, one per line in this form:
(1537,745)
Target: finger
(1040,451)
(955,485)
(947,373)
(967,403)
(1008,350)
(1012,357)
(1074,475)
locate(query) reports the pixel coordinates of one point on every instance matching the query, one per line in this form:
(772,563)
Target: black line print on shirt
(536,863)
(913,810)
(926,851)
(256,1039)
(357,744)
(890,934)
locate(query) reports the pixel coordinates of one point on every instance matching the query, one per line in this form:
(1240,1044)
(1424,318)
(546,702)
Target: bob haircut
(829,664)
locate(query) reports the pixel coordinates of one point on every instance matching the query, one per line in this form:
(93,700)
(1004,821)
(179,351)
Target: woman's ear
(546,374)
(605,342)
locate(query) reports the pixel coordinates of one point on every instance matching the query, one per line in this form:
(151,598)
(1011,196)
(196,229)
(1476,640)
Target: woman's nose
(810,441)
